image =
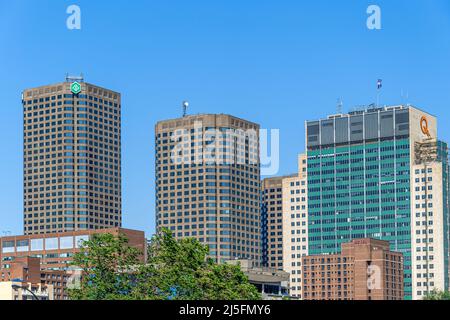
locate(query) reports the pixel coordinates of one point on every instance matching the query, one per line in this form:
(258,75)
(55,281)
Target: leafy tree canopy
(175,270)
(438,295)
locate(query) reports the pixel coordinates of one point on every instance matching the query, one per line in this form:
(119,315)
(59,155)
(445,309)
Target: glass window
(37,244)
(22,245)
(51,244)
(8,246)
(79,240)
(66,243)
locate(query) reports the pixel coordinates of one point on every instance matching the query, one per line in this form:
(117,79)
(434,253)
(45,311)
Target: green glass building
(359,179)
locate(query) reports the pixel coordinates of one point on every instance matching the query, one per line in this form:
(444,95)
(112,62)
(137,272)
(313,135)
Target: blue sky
(277,63)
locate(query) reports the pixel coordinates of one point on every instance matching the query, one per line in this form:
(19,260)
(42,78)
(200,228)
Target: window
(66,243)
(51,244)
(8,246)
(22,246)
(37,244)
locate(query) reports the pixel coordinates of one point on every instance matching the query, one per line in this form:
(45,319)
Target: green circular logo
(75,88)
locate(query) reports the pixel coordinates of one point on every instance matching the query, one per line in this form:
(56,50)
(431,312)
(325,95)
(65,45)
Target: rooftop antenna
(339,106)
(185,107)
(70,78)
(405,97)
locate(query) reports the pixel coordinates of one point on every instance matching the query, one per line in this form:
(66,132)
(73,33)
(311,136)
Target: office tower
(72,157)
(365,269)
(272,222)
(295,226)
(285,224)
(208,183)
(430,204)
(361,184)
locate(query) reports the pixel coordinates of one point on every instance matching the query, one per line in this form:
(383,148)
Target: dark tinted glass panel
(341,130)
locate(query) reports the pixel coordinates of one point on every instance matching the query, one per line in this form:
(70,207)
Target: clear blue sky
(277,63)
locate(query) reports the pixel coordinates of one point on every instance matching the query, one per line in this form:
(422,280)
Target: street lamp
(17,287)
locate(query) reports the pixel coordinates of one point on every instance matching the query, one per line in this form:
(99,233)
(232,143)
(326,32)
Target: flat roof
(189,116)
(369,110)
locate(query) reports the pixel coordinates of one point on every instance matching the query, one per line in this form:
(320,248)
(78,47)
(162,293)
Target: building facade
(272,222)
(365,269)
(285,224)
(430,227)
(272,283)
(72,158)
(208,183)
(361,184)
(295,225)
(15,291)
(56,250)
(25,272)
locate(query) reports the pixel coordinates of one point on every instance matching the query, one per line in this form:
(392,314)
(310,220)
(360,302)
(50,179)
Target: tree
(226,282)
(175,270)
(438,295)
(180,270)
(101,260)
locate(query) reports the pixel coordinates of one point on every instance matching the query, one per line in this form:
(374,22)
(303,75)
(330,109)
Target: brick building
(56,250)
(26,272)
(35,260)
(365,269)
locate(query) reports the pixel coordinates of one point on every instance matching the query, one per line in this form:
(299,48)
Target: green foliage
(225,282)
(438,295)
(100,259)
(175,270)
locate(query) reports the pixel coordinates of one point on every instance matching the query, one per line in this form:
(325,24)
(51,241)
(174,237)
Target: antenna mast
(70,78)
(339,106)
(185,107)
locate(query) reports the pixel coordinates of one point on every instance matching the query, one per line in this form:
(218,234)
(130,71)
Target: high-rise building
(208,183)
(365,269)
(72,158)
(430,206)
(366,180)
(295,226)
(272,222)
(285,224)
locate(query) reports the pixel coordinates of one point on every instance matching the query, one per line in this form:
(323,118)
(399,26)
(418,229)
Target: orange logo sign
(424,126)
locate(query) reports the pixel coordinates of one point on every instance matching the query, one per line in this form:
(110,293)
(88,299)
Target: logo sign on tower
(75,88)
(424,126)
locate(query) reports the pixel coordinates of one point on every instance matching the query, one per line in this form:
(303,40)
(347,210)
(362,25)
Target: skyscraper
(295,226)
(72,157)
(285,221)
(430,205)
(272,222)
(208,183)
(366,180)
